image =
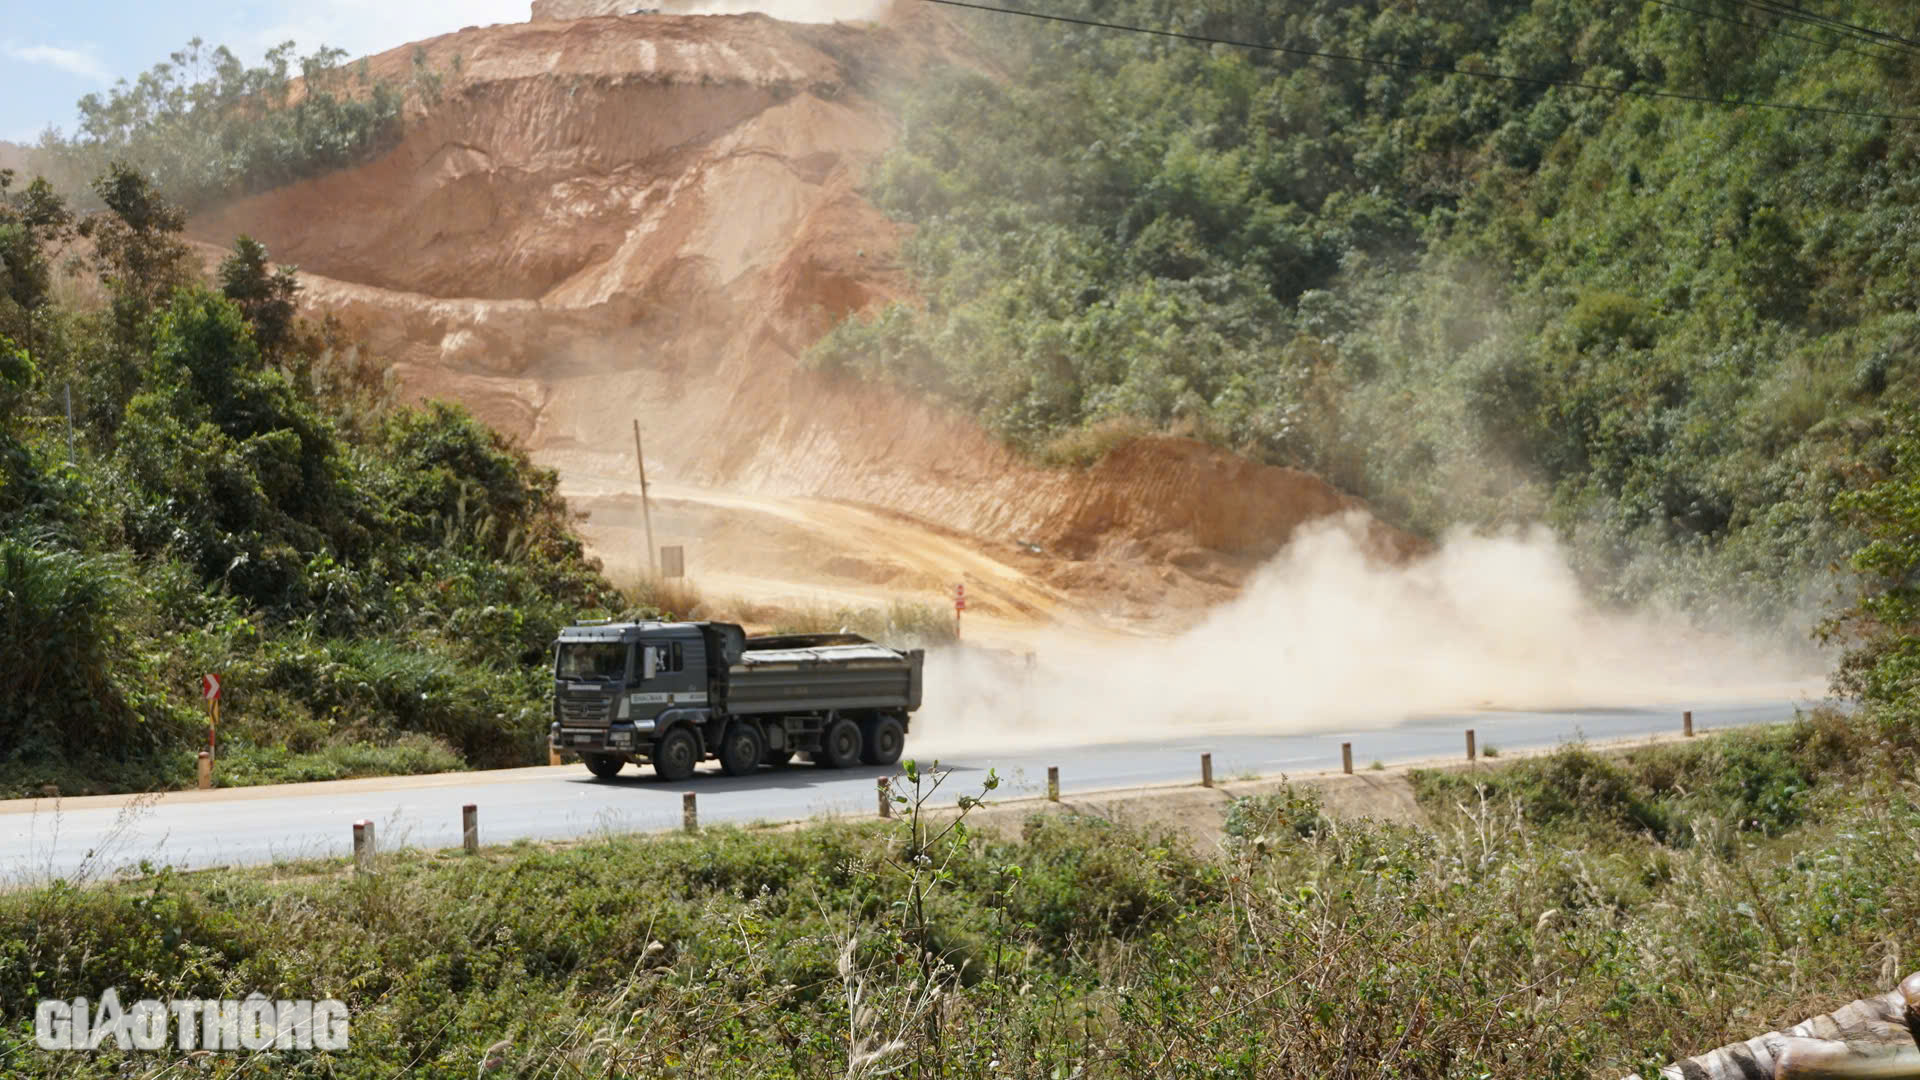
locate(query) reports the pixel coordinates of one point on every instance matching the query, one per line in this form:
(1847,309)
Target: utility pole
(646,508)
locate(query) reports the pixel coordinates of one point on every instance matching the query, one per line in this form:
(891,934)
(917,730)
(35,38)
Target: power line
(1773,30)
(1811,18)
(1795,11)
(1438,69)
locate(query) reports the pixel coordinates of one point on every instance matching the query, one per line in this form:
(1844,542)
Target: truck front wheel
(604,766)
(675,755)
(741,750)
(885,739)
(840,745)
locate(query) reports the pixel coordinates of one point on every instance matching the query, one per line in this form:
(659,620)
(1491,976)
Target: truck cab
(615,685)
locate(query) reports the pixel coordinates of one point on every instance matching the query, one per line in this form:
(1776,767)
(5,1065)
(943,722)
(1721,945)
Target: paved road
(92,837)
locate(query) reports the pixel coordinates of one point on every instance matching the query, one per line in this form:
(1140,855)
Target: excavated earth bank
(651,217)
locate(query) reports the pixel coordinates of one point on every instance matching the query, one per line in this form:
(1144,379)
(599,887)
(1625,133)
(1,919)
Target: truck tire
(675,755)
(840,745)
(741,750)
(885,739)
(604,766)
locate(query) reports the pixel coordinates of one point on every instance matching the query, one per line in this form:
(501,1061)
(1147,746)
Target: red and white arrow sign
(210,687)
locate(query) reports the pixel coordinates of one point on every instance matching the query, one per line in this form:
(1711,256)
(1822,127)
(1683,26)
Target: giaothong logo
(251,1023)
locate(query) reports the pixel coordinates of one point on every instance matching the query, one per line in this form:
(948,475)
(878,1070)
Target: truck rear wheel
(840,745)
(604,766)
(741,750)
(885,739)
(675,755)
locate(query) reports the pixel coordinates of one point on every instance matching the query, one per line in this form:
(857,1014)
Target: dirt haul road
(754,552)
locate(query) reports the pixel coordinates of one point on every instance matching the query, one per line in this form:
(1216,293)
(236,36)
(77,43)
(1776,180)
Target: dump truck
(675,694)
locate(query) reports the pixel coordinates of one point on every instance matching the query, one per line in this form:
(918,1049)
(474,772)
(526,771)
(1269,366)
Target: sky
(53,52)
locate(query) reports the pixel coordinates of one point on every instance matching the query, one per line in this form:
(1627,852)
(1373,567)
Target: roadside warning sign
(210,687)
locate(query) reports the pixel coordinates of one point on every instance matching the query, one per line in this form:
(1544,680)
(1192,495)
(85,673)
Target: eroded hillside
(652,217)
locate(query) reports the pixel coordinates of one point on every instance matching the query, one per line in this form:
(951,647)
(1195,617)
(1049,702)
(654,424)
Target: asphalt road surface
(95,837)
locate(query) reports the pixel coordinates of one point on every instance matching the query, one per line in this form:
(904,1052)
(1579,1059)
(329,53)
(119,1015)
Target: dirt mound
(652,217)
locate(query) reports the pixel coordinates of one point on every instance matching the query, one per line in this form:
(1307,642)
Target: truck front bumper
(613,739)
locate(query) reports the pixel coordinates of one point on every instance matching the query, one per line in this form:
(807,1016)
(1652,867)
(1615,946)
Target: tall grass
(1502,942)
(902,623)
(650,596)
(899,622)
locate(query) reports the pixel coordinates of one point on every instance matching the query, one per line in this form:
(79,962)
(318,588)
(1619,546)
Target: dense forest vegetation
(1675,330)
(378,584)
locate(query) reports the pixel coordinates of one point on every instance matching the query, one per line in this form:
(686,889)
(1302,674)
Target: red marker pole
(210,689)
(959,605)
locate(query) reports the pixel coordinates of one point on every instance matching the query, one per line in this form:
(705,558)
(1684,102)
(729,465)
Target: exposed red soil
(653,217)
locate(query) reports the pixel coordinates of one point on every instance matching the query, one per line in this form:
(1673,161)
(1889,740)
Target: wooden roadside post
(363,847)
(470,828)
(689,813)
(885,792)
(1471,755)
(1206,770)
(1346,758)
(206,770)
(1053,783)
(1686,721)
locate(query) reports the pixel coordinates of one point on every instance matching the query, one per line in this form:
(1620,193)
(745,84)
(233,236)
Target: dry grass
(900,623)
(673,599)
(1535,930)
(1085,446)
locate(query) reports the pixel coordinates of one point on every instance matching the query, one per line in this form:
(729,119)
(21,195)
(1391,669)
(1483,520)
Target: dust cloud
(1325,637)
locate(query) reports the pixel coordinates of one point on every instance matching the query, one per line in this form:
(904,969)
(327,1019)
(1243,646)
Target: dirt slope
(651,217)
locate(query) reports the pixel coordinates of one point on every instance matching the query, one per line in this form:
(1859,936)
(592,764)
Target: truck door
(672,677)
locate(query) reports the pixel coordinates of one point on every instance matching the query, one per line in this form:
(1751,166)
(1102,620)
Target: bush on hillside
(359,583)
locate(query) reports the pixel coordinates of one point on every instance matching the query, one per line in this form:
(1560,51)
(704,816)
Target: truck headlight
(643,725)
(623,738)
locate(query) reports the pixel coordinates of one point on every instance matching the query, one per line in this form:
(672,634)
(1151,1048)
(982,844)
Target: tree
(1883,626)
(137,247)
(31,224)
(265,294)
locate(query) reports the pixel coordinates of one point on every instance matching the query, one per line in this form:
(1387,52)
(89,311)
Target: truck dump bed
(785,678)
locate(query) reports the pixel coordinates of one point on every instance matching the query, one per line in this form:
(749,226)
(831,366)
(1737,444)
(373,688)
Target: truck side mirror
(649,662)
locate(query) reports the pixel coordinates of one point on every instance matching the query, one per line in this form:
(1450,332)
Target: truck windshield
(592,660)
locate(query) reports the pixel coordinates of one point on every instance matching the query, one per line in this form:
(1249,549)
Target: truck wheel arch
(696,722)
